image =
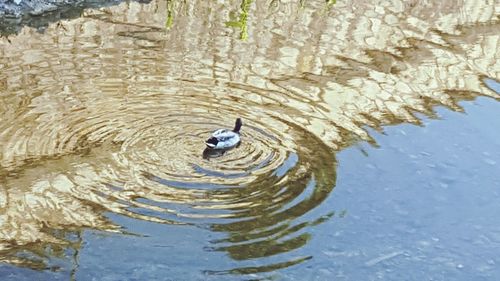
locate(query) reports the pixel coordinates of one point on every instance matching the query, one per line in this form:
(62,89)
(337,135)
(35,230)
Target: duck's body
(225,138)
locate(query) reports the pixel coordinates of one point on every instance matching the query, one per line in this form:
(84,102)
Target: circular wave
(256,192)
(134,145)
(144,156)
(162,161)
(157,168)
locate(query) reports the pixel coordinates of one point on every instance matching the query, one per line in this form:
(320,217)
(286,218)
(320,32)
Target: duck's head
(237,125)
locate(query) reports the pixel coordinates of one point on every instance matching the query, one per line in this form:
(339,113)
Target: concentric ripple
(146,158)
(254,191)
(173,149)
(108,114)
(163,159)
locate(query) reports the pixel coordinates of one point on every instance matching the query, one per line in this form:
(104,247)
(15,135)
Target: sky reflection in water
(104,119)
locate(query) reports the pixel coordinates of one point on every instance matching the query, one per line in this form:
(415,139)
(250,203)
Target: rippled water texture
(107,113)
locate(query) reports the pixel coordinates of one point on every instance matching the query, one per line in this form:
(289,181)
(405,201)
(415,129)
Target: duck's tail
(237,125)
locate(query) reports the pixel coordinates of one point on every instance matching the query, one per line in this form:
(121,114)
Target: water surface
(103,173)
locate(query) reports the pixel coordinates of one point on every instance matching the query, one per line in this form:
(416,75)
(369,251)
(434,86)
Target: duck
(225,138)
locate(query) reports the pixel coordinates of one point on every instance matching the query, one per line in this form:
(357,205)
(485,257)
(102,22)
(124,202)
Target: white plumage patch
(223,133)
(225,139)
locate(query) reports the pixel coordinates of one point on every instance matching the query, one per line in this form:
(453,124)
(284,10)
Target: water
(104,117)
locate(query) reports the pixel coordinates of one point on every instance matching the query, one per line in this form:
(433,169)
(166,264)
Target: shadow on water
(110,113)
(209,153)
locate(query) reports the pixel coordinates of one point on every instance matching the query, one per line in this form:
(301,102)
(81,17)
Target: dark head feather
(237,125)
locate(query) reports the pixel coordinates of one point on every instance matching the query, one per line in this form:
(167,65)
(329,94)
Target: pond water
(370,146)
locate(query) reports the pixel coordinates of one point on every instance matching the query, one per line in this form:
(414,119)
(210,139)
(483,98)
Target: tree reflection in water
(109,113)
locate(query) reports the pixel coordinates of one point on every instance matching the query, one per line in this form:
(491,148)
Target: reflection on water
(109,113)
(12,25)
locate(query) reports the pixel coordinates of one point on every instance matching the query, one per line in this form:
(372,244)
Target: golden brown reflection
(108,112)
